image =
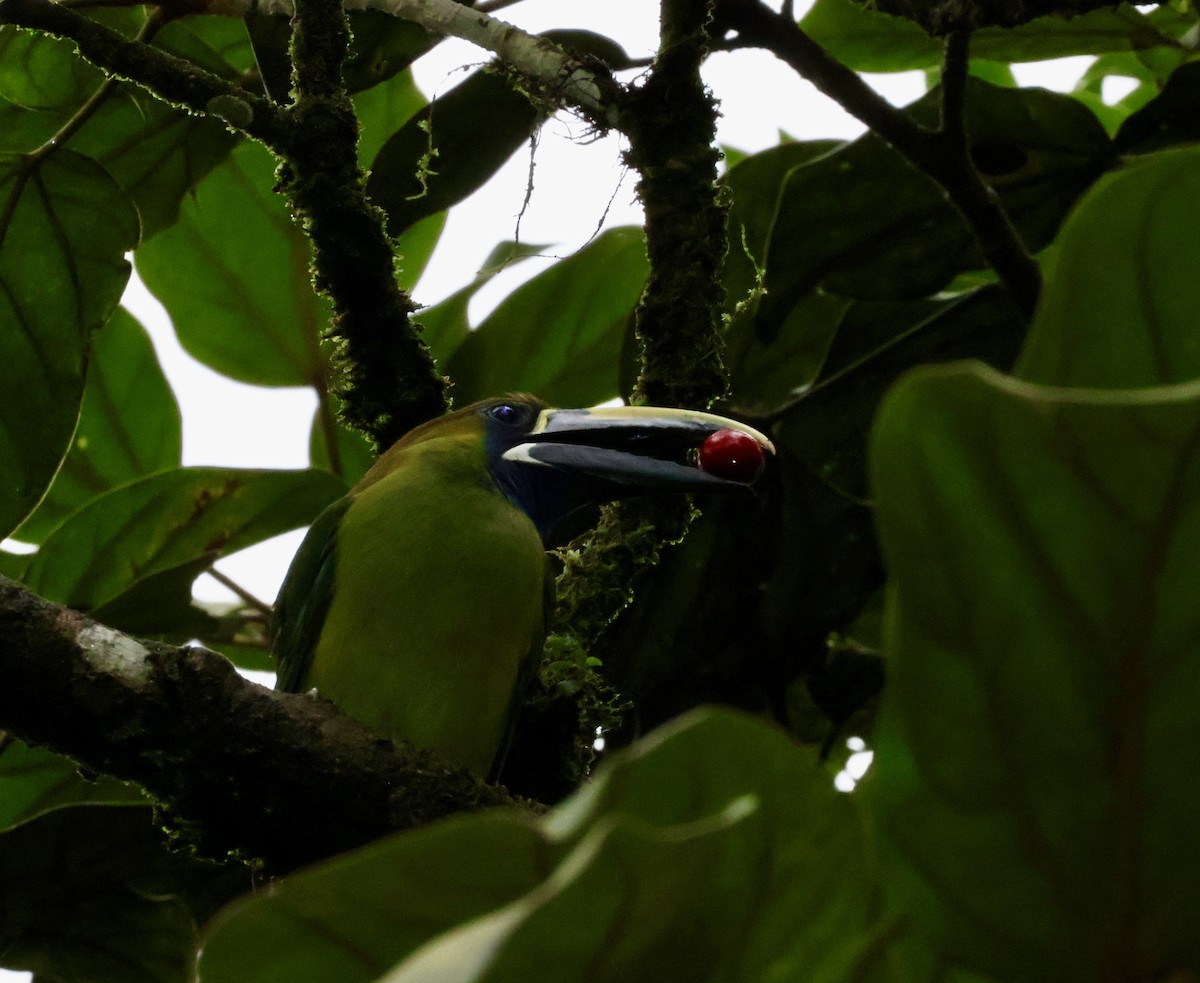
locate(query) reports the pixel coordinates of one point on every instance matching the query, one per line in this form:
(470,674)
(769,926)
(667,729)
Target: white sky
(229,424)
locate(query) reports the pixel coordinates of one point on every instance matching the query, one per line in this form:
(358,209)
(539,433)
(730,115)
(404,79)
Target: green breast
(438,600)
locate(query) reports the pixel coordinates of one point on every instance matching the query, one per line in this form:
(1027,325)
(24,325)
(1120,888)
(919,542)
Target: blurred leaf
(91,893)
(41,72)
(871,41)
(451,147)
(64,230)
(712,850)
(1039,717)
(34,781)
(1168,119)
(559,335)
(352,918)
(157,524)
(861,221)
(233,273)
(129,425)
(657,883)
(1118,307)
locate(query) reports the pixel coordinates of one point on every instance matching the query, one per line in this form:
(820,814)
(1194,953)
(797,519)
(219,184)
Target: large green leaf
(871,41)
(156,525)
(1119,305)
(41,72)
(156,152)
(64,230)
(34,780)
(1035,761)
(862,222)
(129,425)
(91,893)
(714,850)
(233,273)
(559,335)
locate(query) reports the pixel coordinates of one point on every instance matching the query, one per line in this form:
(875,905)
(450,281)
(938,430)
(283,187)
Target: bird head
(552,462)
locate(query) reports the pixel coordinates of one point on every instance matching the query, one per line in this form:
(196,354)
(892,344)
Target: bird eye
(505,413)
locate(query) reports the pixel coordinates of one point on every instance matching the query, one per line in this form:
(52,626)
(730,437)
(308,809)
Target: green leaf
(352,918)
(382,109)
(714,849)
(34,781)
(766,366)
(1168,119)
(445,325)
(129,425)
(233,273)
(1042,671)
(559,335)
(41,72)
(452,146)
(861,221)
(868,40)
(64,230)
(449,149)
(157,524)
(1118,307)
(156,152)
(91,893)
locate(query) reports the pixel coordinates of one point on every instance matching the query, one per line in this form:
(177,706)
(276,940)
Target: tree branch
(172,79)
(277,776)
(938,154)
(383,371)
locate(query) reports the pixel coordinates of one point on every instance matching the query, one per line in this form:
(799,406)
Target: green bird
(418,602)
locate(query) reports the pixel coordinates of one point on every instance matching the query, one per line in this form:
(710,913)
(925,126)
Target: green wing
(305,597)
(525,675)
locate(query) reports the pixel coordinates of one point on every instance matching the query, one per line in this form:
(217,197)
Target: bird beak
(643,446)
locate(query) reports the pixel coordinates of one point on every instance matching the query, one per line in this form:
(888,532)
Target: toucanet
(418,602)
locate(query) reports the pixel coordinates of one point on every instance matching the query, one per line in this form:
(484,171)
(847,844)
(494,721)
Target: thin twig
(956,62)
(251,601)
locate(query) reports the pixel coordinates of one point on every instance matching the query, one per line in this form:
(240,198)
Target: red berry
(731,454)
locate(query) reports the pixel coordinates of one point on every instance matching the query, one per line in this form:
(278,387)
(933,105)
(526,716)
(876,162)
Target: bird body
(418,602)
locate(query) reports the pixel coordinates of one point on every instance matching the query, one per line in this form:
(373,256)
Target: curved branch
(940,154)
(172,79)
(278,776)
